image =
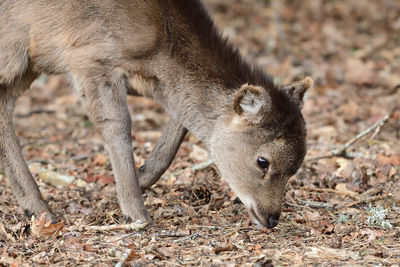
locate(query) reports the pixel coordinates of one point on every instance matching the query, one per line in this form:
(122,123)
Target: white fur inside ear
(251,106)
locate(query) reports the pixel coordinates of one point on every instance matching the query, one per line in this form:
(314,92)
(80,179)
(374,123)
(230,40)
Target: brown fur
(168,50)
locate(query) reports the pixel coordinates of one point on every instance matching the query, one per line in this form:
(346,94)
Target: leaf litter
(336,207)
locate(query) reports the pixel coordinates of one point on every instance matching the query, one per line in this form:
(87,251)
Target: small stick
(4,232)
(365,200)
(342,151)
(202,165)
(195,167)
(377,130)
(164,233)
(192,236)
(137,226)
(334,191)
(34,112)
(394,89)
(205,226)
(210,227)
(367,196)
(123,258)
(315,204)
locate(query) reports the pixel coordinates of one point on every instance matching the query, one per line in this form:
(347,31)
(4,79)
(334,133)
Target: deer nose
(272,220)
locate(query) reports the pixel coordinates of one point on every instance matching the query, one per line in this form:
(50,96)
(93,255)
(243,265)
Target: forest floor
(339,210)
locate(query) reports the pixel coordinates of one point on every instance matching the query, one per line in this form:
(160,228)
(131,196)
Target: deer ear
(298,89)
(252,103)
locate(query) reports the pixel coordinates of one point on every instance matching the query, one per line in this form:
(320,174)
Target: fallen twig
(394,89)
(195,167)
(342,150)
(34,112)
(192,236)
(316,204)
(202,165)
(4,233)
(137,226)
(367,196)
(168,233)
(212,226)
(334,191)
(123,257)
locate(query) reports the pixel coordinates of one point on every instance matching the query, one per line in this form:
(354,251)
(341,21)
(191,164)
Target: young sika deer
(168,50)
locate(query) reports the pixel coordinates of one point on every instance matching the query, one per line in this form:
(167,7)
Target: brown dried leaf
(228,247)
(132,255)
(105,179)
(392,160)
(100,160)
(4,233)
(41,227)
(342,187)
(372,233)
(345,169)
(335,241)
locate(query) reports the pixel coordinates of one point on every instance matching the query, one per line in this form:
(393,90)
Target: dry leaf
(100,160)
(55,178)
(371,233)
(345,169)
(312,215)
(4,233)
(105,179)
(228,247)
(342,187)
(392,160)
(335,241)
(41,227)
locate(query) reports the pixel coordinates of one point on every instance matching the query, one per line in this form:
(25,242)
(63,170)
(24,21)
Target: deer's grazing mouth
(256,219)
(268,220)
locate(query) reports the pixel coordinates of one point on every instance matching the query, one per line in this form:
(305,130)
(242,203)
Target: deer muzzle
(265,219)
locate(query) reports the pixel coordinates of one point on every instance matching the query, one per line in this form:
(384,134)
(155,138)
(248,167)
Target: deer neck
(192,97)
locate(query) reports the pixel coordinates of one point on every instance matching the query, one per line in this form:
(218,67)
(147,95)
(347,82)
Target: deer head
(260,145)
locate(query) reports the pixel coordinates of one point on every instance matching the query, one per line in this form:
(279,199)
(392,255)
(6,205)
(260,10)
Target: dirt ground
(340,210)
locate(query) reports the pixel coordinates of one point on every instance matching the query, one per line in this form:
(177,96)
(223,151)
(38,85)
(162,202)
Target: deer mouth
(256,218)
(269,221)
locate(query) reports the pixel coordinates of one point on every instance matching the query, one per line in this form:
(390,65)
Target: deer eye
(263,163)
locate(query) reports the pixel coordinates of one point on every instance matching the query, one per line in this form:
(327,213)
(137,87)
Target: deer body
(170,51)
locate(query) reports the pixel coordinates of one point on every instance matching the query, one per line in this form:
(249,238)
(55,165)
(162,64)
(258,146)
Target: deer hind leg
(22,184)
(162,155)
(104,98)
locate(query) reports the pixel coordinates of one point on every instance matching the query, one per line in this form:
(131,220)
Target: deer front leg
(162,155)
(105,101)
